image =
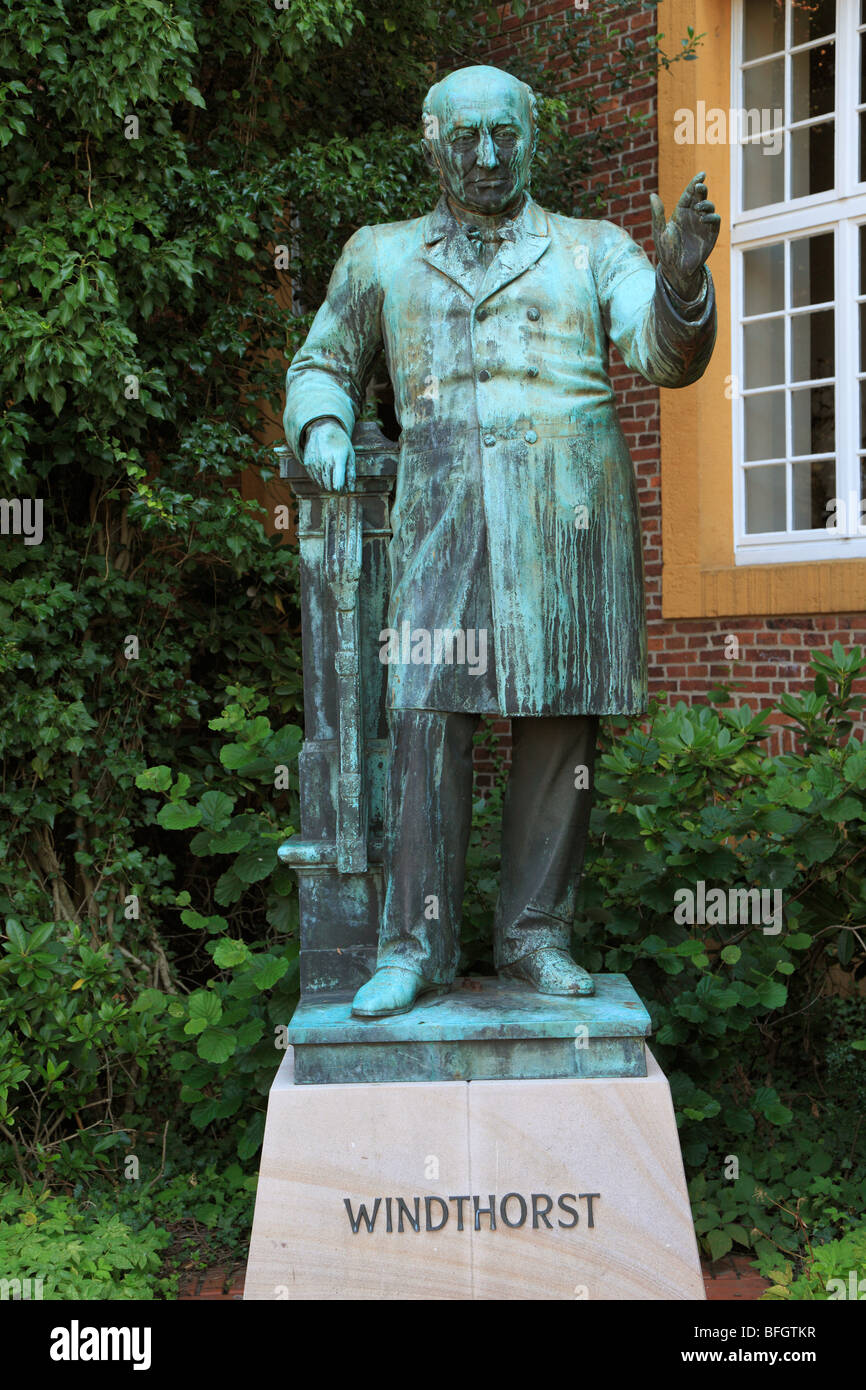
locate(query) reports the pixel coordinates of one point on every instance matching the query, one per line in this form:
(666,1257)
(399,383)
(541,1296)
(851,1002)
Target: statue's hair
(433,94)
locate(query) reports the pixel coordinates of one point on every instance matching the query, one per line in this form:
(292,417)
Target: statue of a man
(515,524)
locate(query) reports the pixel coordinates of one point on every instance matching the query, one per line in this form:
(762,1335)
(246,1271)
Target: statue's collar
(530,219)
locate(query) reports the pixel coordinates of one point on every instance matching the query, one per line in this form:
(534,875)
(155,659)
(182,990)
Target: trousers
(428,821)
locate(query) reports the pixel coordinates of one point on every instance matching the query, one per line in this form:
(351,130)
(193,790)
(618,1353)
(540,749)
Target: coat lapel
(449,251)
(530,240)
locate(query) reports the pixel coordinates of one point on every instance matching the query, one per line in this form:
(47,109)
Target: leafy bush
(835,1270)
(81,1036)
(77,1254)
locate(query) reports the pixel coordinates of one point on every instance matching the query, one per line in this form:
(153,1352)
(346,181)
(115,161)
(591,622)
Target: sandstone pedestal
(568,1188)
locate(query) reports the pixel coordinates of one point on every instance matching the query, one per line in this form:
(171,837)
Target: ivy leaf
(216,1045)
(254,865)
(772,994)
(204,1008)
(215,810)
(197,922)
(234,839)
(228,888)
(149,1001)
(228,952)
(250,1140)
(178,815)
(155,779)
(270,971)
(236,756)
(720,1242)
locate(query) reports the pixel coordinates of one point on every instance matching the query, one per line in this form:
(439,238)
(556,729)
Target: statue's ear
(428,156)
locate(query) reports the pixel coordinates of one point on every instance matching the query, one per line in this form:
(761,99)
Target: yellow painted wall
(699,578)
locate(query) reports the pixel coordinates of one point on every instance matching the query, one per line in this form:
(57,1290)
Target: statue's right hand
(329,457)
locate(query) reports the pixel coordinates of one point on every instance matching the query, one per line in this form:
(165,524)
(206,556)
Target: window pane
(765,499)
(813,351)
(814,485)
(863,259)
(763,27)
(863,337)
(764,85)
(764,353)
(863,414)
(813,82)
(764,273)
(861,177)
(812,19)
(862,67)
(763,174)
(765,426)
(812,159)
(813,420)
(812,270)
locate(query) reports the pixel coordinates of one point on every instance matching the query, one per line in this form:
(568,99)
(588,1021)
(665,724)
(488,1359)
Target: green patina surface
(514,515)
(484,1028)
(516,510)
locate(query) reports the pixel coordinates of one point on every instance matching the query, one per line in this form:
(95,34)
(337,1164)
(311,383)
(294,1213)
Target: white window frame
(841,210)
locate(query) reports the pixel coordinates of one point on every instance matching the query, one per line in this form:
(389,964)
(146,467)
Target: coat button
(489,439)
(530,436)
(482,314)
(484,375)
(532,371)
(533,314)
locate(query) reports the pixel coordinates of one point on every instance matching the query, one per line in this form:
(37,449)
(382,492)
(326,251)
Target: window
(799,279)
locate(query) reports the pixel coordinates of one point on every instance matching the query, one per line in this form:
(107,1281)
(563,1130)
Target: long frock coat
(516,509)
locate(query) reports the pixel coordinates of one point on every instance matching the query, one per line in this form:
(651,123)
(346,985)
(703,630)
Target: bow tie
(477,235)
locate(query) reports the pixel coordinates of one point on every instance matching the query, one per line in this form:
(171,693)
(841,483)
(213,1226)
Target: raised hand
(329,457)
(684,243)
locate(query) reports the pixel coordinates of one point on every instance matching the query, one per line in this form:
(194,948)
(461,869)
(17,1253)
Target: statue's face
(479,136)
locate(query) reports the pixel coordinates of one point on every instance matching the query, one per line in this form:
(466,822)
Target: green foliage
(691,799)
(130,1238)
(78,1254)
(832,1271)
(778,1201)
(82,1032)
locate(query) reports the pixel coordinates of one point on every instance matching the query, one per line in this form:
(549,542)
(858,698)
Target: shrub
(78,1254)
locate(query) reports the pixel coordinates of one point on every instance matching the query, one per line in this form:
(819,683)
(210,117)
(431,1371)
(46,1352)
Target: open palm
(684,243)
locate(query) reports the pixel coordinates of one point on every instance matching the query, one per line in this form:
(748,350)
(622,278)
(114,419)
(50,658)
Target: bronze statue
(516,561)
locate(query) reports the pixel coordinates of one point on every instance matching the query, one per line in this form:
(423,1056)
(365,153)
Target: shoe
(550,971)
(392,990)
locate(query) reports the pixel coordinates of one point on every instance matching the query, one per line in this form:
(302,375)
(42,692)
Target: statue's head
(480,132)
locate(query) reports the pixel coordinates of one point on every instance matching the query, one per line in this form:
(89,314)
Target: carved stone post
(344,600)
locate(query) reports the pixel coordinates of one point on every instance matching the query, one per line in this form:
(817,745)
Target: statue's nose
(486,151)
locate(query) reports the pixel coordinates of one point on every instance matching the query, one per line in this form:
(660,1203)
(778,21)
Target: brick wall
(686,656)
